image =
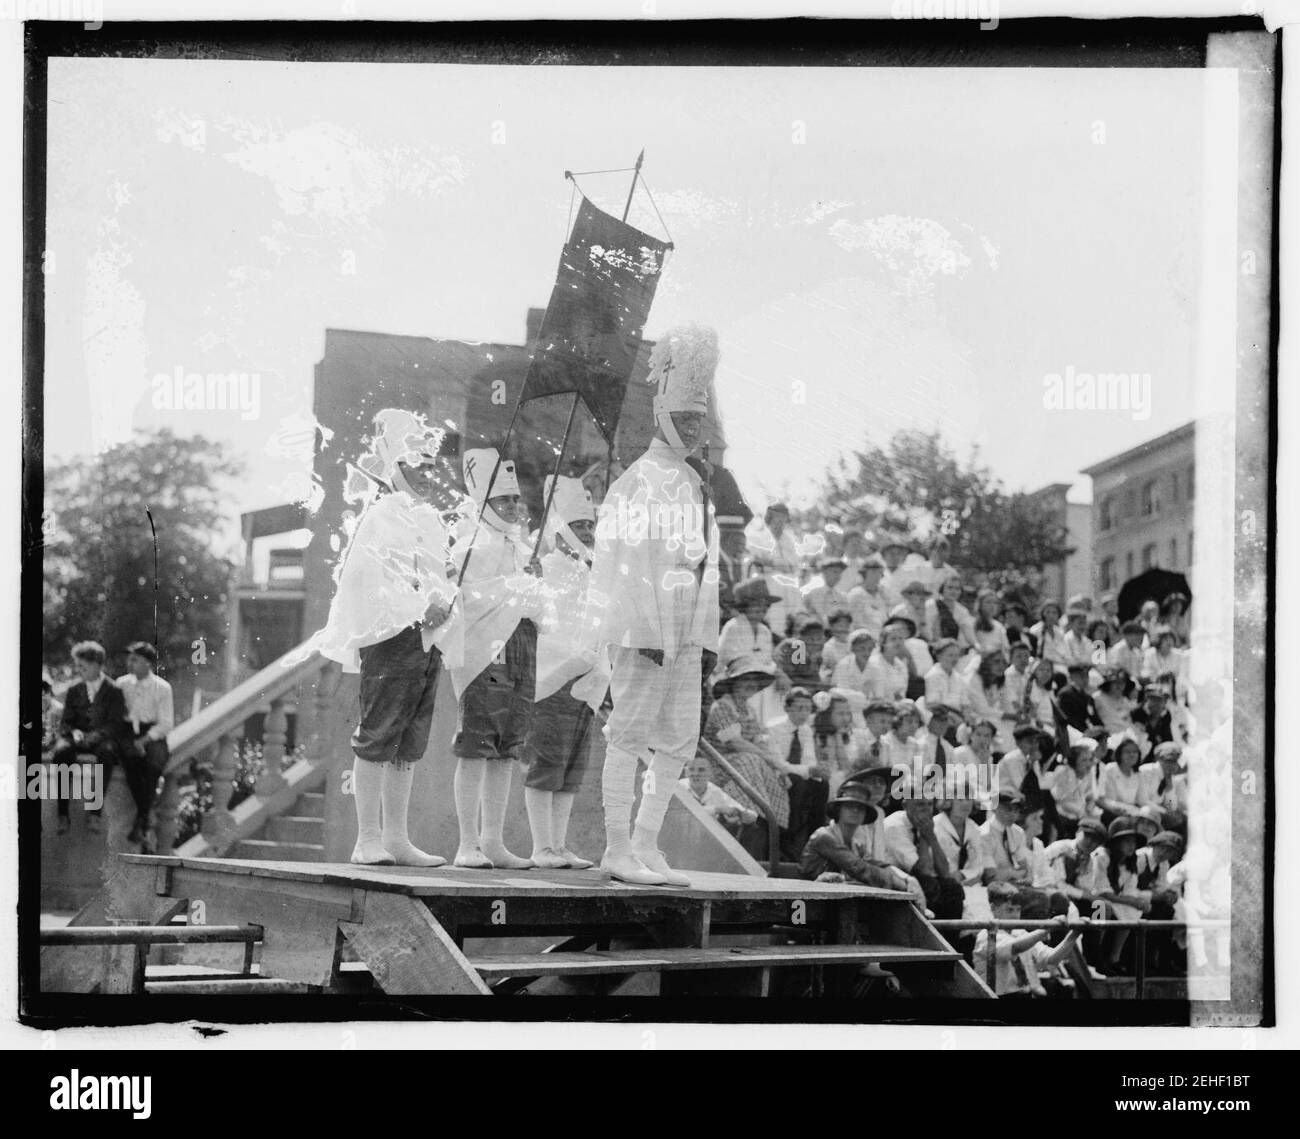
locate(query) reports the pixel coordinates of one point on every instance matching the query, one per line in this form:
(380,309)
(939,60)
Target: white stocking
(396,798)
(496,796)
(539,819)
(617,784)
(561,808)
(467,787)
(656,793)
(367,788)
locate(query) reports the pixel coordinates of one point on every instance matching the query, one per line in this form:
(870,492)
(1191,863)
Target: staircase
(296,836)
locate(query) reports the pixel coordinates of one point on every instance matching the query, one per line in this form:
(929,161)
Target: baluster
(327,685)
(218,823)
(275,732)
(166,811)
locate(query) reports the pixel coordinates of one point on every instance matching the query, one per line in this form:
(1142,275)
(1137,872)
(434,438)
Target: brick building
(1142,508)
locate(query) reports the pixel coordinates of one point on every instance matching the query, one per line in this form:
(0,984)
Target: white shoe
(371,852)
(626,867)
(502,859)
(547,859)
(408,854)
(576,861)
(471,858)
(654,861)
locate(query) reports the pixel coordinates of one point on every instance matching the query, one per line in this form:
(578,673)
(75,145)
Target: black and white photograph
(738,522)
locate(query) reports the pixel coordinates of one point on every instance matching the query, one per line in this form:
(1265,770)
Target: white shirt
(1006,847)
(823,600)
(1006,978)
(1174,796)
(886,680)
(781,733)
(148,701)
(1130,660)
(869,609)
(1114,784)
(947,688)
(972,871)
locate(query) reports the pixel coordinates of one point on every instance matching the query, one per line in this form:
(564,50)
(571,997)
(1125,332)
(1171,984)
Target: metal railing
(1142,928)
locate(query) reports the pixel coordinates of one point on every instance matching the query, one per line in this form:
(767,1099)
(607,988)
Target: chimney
(533,325)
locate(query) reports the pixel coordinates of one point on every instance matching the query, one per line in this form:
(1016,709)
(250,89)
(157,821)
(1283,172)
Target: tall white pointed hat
(682,364)
(572,502)
(478,464)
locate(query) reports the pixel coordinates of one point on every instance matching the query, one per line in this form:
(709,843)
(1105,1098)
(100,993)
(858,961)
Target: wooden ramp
(337,928)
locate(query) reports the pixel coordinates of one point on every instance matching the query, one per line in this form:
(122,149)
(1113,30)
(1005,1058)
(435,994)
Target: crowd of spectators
(839,676)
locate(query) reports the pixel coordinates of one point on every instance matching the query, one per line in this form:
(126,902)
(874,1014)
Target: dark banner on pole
(603,291)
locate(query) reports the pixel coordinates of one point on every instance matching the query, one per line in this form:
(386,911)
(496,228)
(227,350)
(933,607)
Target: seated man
(1075,701)
(829,855)
(1166,785)
(800,656)
(1020,957)
(714,799)
(914,848)
(94,722)
(792,742)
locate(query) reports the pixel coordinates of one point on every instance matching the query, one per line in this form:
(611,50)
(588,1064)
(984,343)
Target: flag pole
(559,461)
(636,173)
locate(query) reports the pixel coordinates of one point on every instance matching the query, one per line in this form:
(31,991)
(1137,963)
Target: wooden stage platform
(338,928)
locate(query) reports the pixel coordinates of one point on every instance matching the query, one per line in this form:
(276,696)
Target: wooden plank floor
(450,881)
(593,962)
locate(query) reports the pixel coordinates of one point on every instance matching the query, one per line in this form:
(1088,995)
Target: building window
(1148,555)
(1191,483)
(1173,497)
(1150,503)
(1107,518)
(1173,553)
(1128,565)
(1107,574)
(1191,557)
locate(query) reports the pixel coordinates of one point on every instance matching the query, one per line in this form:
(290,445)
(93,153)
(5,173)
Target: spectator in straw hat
(799,657)
(733,730)
(913,607)
(829,855)
(868,602)
(822,599)
(1115,872)
(749,635)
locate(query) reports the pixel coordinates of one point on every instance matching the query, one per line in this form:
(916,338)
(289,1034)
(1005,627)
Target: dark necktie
(961,854)
(1006,844)
(795,755)
(875,752)
(1022,974)
(1164,785)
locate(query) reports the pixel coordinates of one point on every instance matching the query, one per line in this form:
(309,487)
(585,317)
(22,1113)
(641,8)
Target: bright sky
(878,248)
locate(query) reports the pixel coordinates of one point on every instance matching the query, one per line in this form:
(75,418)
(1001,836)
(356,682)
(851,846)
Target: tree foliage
(99,581)
(916,485)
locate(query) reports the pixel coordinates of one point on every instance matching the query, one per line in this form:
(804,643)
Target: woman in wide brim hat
(855,794)
(753,591)
(761,673)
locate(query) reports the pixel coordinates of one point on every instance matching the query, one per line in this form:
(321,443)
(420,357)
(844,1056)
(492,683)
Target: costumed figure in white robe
(559,736)
(503,602)
(389,622)
(655,584)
